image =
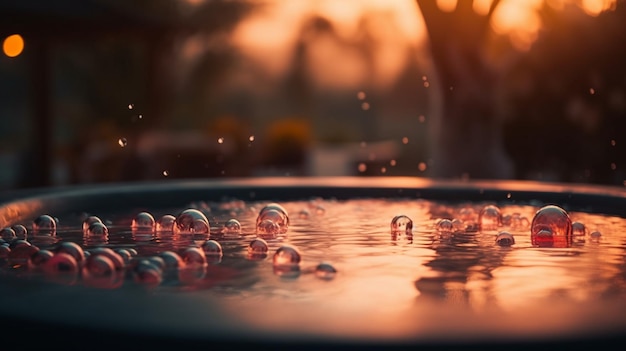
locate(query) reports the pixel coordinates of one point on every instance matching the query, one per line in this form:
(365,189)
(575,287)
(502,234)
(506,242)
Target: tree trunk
(466,132)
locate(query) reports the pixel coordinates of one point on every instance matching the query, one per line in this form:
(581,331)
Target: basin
(359,283)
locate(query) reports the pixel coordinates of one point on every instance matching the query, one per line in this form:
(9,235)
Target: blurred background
(96,91)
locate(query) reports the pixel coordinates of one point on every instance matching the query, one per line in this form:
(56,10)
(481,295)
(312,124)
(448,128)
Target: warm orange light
(595,7)
(13,45)
(446,5)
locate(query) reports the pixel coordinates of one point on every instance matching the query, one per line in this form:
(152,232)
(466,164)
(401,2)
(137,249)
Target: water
(345,271)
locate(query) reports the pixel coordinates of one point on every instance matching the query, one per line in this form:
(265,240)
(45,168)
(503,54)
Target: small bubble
(445,226)
(287,256)
(325,271)
(421,166)
(426,84)
(220,140)
(45,225)
(194,257)
(8,234)
(191,221)
(257,249)
(320,210)
(505,239)
(131,106)
(90,220)
(365,106)
(166,173)
(140,116)
(360,95)
(122,142)
(490,218)
(62,268)
(20,231)
(405,140)
(213,249)
(401,223)
(424,78)
(232,227)
(73,249)
(578,229)
(508,195)
(99,272)
(147,274)
(165,223)
(551,227)
(143,222)
(251,138)
(363,167)
(304,214)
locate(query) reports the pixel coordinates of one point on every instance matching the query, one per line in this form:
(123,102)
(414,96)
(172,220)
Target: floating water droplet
(122,142)
(505,239)
(325,271)
(445,226)
(551,227)
(401,224)
(579,229)
(124,254)
(232,227)
(422,166)
(166,173)
(165,223)
(490,218)
(287,255)
(212,248)
(304,214)
(172,260)
(117,260)
(191,221)
(267,229)
(143,222)
(251,138)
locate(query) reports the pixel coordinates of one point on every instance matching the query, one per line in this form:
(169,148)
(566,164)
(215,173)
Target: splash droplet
(122,142)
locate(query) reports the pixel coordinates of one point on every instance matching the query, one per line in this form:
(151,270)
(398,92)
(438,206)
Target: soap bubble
(551,227)
(191,221)
(490,218)
(267,229)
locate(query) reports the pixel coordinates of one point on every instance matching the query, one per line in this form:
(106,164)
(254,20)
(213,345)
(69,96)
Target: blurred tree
(468,139)
(567,101)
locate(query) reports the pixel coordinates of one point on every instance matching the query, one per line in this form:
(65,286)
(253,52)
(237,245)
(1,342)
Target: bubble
(89,220)
(143,222)
(166,173)
(4,253)
(62,268)
(232,227)
(172,260)
(325,271)
(39,258)
(320,210)
(445,226)
(191,221)
(21,251)
(97,229)
(158,261)
(505,239)
(362,167)
(304,214)
(131,106)
(122,142)
(212,248)
(194,257)
(165,223)
(579,229)
(99,272)
(272,213)
(73,249)
(458,225)
(7,234)
(267,229)
(287,256)
(147,274)
(490,218)
(257,249)
(124,254)
(20,231)
(401,224)
(551,227)
(595,235)
(45,225)
(118,262)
